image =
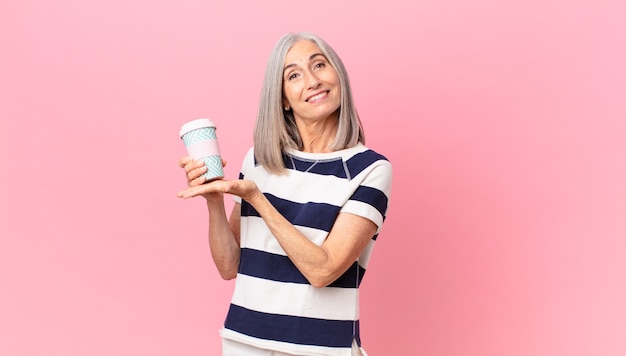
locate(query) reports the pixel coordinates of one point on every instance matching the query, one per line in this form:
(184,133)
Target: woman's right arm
(224,237)
(223,232)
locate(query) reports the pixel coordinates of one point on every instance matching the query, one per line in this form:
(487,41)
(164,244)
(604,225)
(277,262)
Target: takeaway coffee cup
(201,143)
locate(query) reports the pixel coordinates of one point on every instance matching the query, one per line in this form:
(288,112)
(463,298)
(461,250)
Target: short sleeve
(371,198)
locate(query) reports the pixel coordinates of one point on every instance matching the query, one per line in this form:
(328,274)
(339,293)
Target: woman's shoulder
(248,158)
(364,161)
(365,155)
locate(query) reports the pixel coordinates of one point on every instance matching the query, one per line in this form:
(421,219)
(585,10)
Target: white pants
(234,348)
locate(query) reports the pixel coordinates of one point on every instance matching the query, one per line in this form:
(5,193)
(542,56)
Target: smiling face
(311,85)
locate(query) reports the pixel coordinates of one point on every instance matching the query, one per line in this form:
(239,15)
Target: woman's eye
(292,76)
(319,65)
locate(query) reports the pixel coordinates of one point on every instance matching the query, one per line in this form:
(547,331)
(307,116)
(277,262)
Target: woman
(309,204)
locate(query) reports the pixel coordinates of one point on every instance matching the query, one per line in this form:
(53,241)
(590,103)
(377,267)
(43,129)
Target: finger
(194,164)
(195,191)
(224,162)
(185,194)
(196,173)
(184,161)
(199,180)
(188,193)
(189,164)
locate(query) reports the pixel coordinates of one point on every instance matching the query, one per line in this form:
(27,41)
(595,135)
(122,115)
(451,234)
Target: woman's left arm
(320,265)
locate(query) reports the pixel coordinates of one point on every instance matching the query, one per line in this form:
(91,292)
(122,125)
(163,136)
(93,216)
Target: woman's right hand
(194,170)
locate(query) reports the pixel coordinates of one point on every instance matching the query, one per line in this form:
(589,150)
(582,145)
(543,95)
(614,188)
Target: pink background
(505,121)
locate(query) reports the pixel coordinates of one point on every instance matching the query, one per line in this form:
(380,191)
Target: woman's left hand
(245,189)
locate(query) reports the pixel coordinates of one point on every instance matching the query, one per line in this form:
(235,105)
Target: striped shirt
(273,305)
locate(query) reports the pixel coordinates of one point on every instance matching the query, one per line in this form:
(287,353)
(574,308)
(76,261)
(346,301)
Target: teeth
(317,97)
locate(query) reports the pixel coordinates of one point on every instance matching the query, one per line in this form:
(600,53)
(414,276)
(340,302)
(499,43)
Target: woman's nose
(313,81)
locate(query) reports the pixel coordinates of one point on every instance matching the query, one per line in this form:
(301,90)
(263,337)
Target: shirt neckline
(324,155)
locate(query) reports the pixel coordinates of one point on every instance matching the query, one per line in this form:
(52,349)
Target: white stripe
(295,299)
(365,210)
(288,348)
(311,187)
(344,154)
(263,240)
(379,179)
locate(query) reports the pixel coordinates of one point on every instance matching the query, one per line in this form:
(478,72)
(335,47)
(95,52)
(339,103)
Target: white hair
(275,127)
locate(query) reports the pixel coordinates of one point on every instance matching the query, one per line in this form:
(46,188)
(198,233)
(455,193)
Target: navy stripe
(287,161)
(270,266)
(371,196)
(279,268)
(356,164)
(360,161)
(351,278)
(314,215)
(291,329)
(332,167)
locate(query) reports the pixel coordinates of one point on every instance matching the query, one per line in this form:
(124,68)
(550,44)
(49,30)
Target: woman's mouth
(317,97)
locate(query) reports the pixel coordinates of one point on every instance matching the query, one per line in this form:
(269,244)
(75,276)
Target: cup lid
(194,125)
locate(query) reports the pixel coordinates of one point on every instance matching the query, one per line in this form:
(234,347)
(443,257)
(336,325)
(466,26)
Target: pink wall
(504,119)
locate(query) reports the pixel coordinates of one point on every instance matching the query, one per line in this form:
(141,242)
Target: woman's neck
(318,136)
